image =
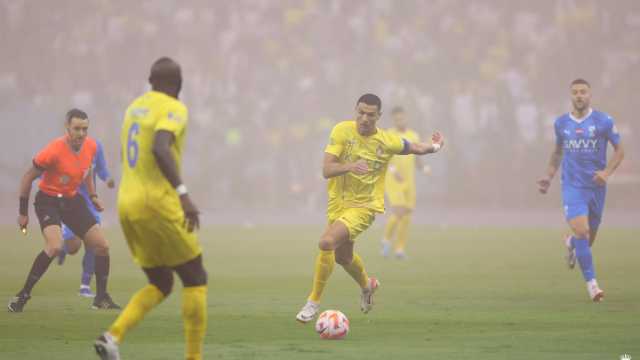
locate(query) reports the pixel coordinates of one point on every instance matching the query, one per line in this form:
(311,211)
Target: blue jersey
(584,146)
(99,169)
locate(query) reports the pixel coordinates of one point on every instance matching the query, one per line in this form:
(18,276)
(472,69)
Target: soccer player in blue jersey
(72,242)
(582,137)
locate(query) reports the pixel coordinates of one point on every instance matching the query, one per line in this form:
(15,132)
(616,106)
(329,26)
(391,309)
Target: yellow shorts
(356,220)
(402,196)
(157,236)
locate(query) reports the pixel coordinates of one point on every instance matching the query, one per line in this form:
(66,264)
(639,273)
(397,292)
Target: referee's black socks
(102,274)
(39,267)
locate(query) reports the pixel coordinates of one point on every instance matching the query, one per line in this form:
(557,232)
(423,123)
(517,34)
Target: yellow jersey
(404,165)
(143,185)
(364,191)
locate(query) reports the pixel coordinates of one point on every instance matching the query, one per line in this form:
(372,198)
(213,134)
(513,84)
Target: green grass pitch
(464,294)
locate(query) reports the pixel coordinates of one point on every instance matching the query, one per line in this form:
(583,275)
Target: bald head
(166,76)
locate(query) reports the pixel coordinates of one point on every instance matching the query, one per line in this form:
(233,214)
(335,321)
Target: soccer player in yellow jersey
(355,162)
(157,216)
(400,188)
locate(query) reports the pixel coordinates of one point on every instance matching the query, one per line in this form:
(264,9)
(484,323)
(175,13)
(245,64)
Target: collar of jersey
(579,121)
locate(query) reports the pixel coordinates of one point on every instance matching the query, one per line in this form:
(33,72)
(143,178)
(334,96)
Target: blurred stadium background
(265,81)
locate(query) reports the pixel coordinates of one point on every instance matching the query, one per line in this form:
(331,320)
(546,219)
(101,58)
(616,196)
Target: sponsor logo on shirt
(174,117)
(581,145)
(64,179)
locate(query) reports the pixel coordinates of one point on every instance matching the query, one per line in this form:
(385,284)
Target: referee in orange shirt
(64,164)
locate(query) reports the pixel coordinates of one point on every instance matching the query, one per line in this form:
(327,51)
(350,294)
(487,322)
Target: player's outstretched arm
(437,142)
(601,177)
(554,164)
(25,190)
(162,152)
(332,167)
(101,168)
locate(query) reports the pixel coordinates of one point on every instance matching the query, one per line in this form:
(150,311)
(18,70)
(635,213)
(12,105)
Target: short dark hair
(580,81)
(397,110)
(370,99)
(76,113)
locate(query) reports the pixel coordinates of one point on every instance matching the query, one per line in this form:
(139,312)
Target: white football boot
(570,256)
(366,300)
(401,255)
(595,292)
(308,312)
(106,347)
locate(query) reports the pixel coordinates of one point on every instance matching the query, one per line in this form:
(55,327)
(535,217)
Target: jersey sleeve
(337,141)
(172,119)
(397,145)
(611,131)
(101,164)
(46,157)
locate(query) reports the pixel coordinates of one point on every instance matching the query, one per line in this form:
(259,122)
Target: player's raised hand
(543,185)
(359,167)
(601,178)
(437,139)
(23,221)
(191,213)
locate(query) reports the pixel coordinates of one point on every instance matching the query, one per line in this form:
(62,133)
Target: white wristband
(435,147)
(181,189)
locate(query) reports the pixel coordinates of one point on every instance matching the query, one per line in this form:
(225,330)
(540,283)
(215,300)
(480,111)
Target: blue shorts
(584,202)
(67,234)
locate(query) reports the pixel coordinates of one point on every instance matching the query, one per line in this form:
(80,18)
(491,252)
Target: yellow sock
(139,305)
(325,261)
(357,271)
(390,228)
(194,314)
(403,232)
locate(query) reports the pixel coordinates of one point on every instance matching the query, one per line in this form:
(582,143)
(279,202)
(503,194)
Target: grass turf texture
(463,294)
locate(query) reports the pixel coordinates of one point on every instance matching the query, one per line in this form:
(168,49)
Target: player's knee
(326,243)
(54,250)
(101,250)
(192,273)
(582,232)
(100,247)
(161,278)
(72,249)
(344,260)
(164,284)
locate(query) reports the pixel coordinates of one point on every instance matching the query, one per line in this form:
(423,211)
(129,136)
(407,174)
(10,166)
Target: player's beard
(580,106)
(366,130)
(76,143)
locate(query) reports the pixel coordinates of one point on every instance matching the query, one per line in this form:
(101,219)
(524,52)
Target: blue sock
(585,259)
(88,267)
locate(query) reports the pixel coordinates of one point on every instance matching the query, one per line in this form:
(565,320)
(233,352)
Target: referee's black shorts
(73,212)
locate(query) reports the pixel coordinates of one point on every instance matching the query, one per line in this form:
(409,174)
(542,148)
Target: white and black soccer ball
(332,325)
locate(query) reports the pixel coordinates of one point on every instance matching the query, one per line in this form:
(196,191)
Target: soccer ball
(332,325)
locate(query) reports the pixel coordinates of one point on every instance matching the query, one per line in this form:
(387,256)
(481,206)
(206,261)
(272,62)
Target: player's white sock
(594,290)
